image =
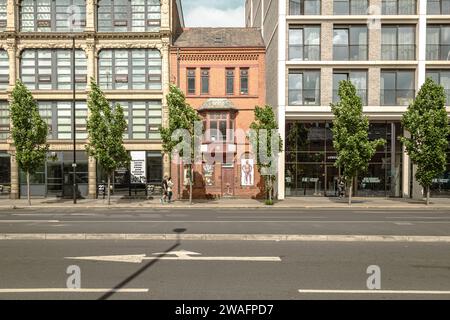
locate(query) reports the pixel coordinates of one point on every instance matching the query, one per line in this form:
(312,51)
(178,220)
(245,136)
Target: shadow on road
(145,267)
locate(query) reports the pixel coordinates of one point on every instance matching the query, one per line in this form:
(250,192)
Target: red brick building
(222,73)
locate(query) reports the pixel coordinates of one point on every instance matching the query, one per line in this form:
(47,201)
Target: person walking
(169,189)
(163,190)
(341,186)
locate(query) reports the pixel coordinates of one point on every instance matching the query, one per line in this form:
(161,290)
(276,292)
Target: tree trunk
(109,189)
(28,188)
(270,189)
(191,175)
(350,192)
(428,195)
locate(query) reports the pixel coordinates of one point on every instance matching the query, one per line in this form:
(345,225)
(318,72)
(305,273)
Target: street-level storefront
(441,184)
(146,168)
(55,177)
(310,157)
(5,174)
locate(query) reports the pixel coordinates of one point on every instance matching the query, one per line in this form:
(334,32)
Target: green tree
(29,132)
(105,127)
(181,116)
(427,122)
(351,135)
(266,146)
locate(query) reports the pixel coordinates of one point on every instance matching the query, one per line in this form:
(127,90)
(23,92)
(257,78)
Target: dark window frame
(396,90)
(204,81)
(349,44)
(244,81)
(191,75)
(317,73)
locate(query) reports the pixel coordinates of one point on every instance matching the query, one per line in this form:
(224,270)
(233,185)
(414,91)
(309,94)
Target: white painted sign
(172,255)
(138,167)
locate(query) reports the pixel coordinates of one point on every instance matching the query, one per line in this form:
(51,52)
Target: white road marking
(403,223)
(176,255)
(28,221)
(376,291)
(68,290)
(237,221)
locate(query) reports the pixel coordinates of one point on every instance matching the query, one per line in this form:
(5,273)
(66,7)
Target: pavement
(292,202)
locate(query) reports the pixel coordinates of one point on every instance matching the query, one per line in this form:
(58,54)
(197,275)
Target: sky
(214,13)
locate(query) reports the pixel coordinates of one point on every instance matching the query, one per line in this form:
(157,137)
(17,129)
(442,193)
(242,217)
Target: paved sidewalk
(297,202)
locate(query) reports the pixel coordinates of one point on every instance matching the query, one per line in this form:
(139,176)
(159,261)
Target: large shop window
(350,43)
(52,15)
(398,7)
(398,42)
(441,77)
(52,69)
(58,116)
(438,42)
(358,79)
(4,120)
(304,43)
(441,184)
(137,69)
(4,70)
(143,119)
(129,15)
(3,15)
(397,87)
(304,87)
(304,7)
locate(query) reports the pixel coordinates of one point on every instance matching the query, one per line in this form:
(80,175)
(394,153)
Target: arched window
(126,69)
(129,15)
(52,15)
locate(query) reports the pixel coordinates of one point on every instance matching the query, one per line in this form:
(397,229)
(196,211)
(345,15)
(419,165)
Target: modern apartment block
(123,45)
(387,48)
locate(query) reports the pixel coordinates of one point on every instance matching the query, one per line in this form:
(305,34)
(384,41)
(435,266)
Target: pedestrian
(169,189)
(163,190)
(341,186)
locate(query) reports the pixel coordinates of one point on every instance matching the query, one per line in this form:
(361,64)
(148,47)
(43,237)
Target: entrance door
(331,184)
(54,179)
(227,181)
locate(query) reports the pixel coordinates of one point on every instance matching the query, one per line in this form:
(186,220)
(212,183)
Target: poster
(208,172)
(138,167)
(247,172)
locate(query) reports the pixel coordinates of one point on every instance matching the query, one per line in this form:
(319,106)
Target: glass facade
(441,185)
(398,42)
(310,157)
(438,42)
(52,15)
(125,69)
(398,7)
(438,7)
(304,43)
(352,7)
(5,174)
(55,178)
(42,69)
(4,70)
(350,43)
(129,15)
(358,79)
(304,87)
(304,7)
(443,78)
(397,87)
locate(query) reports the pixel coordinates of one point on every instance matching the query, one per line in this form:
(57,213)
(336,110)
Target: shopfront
(55,177)
(5,174)
(310,157)
(441,184)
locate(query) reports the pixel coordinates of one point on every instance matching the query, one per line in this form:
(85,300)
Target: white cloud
(212,17)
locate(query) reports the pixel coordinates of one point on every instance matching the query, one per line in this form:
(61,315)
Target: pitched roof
(220,38)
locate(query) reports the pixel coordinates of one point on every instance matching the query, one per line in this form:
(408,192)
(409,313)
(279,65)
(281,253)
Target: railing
(438,52)
(305,97)
(397,97)
(304,52)
(349,52)
(398,52)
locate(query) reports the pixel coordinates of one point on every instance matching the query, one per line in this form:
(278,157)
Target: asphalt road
(224,269)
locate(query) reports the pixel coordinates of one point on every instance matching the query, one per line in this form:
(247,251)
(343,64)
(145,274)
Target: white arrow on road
(174,255)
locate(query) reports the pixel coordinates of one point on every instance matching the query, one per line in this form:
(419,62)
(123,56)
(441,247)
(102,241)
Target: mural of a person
(247,172)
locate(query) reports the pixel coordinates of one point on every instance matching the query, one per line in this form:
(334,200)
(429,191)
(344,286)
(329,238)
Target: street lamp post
(74,164)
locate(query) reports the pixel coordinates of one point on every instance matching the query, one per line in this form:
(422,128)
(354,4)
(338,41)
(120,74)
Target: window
(230,81)
(244,80)
(350,43)
(443,78)
(4,70)
(398,43)
(52,69)
(143,119)
(350,7)
(129,15)
(304,43)
(438,6)
(398,7)
(358,79)
(304,7)
(58,116)
(397,87)
(4,120)
(205,81)
(125,69)
(220,126)
(438,42)
(3,15)
(304,87)
(52,15)
(191,81)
